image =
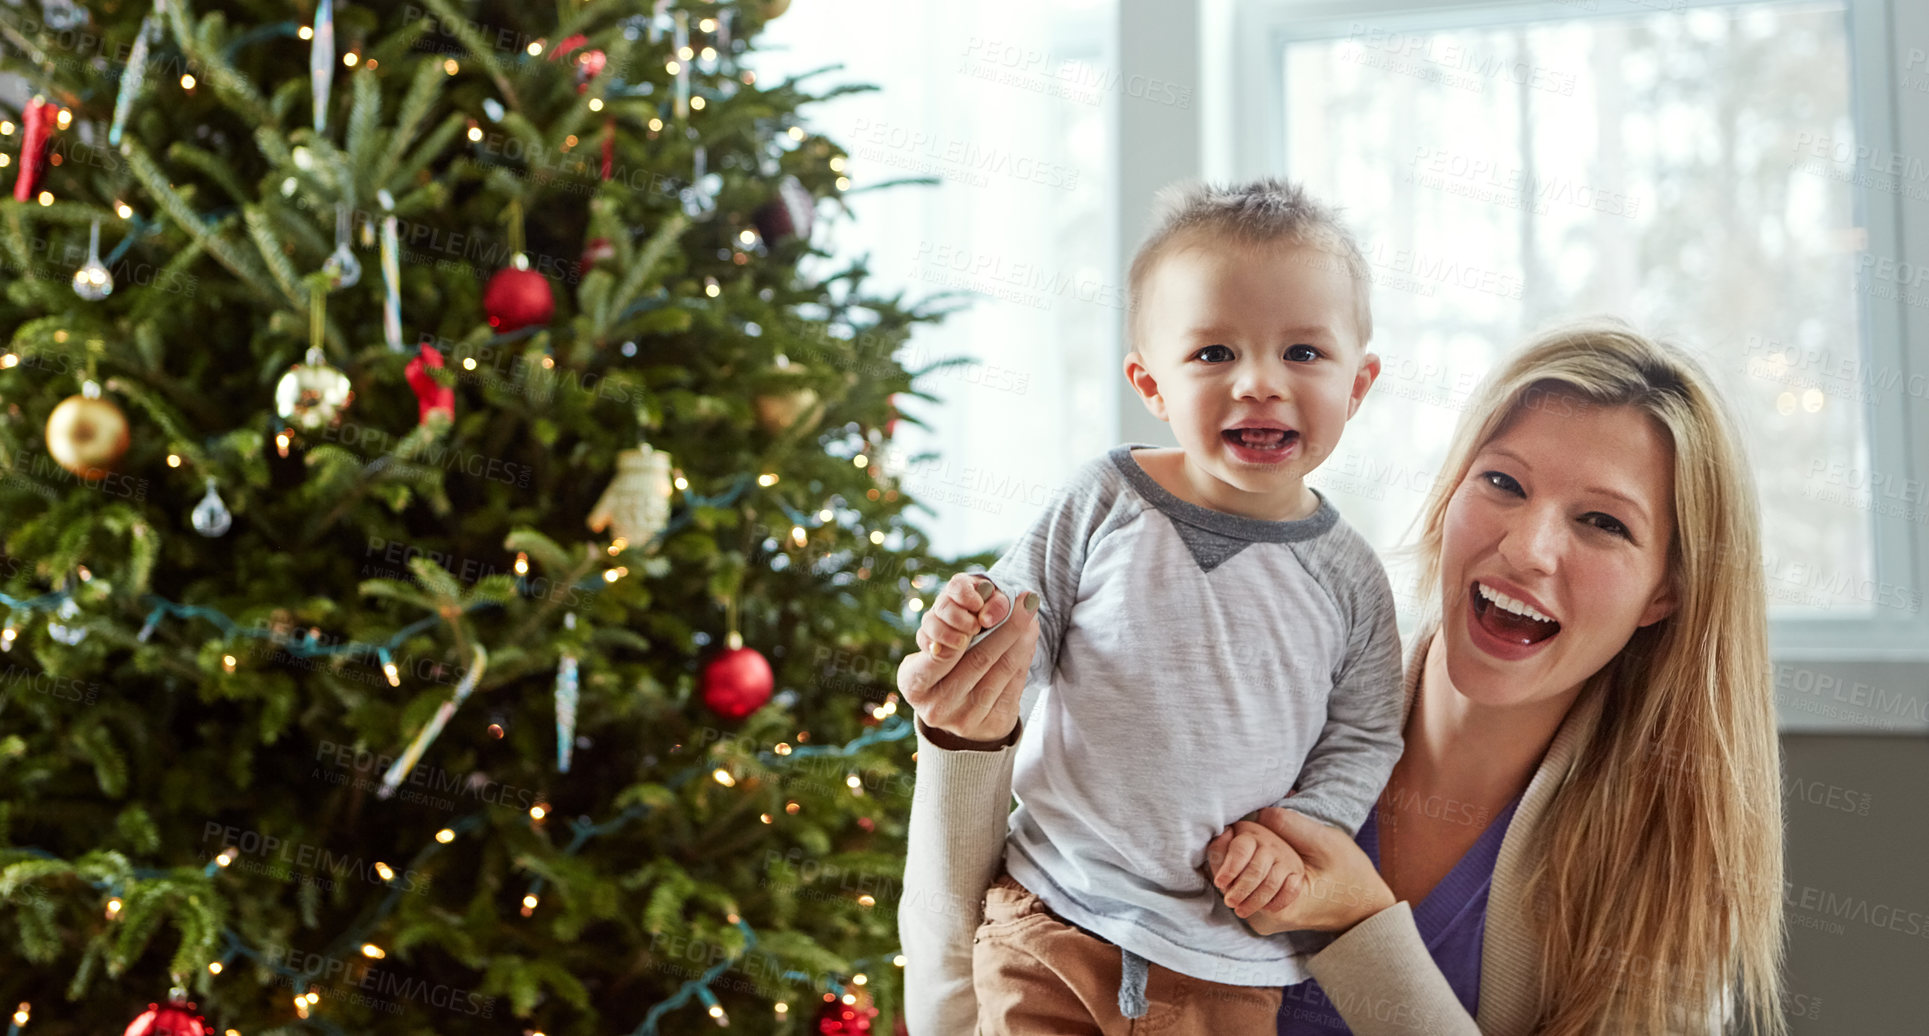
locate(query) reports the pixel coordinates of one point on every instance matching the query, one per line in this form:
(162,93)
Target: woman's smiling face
(1555,548)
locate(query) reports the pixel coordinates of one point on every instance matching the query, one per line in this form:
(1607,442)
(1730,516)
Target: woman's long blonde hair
(1658,879)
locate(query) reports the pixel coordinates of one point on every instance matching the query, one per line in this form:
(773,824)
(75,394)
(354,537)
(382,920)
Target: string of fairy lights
(359,938)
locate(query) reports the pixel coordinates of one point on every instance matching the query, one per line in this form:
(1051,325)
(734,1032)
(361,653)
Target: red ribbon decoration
(34,131)
(430,395)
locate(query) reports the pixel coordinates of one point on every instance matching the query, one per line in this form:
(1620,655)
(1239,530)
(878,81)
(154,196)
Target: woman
(1590,769)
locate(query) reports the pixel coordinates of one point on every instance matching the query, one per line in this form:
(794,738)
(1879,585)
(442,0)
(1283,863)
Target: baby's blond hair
(1265,211)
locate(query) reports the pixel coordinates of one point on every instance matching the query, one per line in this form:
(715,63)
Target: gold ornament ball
(773,8)
(312,396)
(87,436)
(779,412)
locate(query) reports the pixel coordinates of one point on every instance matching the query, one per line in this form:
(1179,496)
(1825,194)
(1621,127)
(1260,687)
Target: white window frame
(1241,70)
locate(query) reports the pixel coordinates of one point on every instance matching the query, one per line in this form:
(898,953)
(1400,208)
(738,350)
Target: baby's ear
(1363,379)
(1139,376)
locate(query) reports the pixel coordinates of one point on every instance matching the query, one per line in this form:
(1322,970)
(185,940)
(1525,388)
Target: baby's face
(1260,338)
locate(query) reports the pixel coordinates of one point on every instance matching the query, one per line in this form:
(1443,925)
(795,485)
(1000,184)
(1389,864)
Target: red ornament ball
(789,214)
(737,683)
(837,1018)
(177,1018)
(515,299)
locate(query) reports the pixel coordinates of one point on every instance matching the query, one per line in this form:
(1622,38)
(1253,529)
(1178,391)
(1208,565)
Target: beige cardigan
(1380,969)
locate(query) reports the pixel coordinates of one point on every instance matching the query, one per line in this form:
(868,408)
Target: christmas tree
(452,576)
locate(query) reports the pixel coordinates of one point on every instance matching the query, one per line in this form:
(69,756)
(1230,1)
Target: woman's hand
(1342,887)
(968,699)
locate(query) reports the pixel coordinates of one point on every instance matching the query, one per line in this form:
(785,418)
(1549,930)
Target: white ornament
(636,506)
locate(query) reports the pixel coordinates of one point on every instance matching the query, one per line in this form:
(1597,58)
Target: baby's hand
(1255,870)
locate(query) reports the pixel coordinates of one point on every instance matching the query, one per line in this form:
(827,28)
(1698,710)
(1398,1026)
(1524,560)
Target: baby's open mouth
(1260,438)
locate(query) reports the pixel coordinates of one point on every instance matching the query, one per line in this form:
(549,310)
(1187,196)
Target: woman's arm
(1377,971)
(959,813)
(960,803)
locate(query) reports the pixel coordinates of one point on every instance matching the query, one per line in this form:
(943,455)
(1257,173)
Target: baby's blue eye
(1302,354)
(1208,349)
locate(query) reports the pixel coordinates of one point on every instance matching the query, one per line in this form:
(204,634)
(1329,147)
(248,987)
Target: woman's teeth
(1510,604)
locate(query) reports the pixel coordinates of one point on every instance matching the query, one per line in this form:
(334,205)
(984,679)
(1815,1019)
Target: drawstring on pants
(1131,984)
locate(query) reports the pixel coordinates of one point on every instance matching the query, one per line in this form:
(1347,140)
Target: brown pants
(1037,975)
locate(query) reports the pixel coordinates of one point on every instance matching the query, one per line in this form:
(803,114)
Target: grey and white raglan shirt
(1193,666)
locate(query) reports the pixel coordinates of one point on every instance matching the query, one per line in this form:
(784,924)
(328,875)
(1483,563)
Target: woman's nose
(1532,540)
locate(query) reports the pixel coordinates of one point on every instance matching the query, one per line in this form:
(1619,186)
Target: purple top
(1452,921)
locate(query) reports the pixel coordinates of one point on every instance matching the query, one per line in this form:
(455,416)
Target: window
(1716,172)
(1006,108)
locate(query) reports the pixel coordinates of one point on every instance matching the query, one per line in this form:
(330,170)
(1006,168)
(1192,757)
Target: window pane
(1654,167)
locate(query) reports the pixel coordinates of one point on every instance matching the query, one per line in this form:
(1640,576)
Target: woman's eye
(1302,354)
(1502,481)
(1608,523)
(1210,348)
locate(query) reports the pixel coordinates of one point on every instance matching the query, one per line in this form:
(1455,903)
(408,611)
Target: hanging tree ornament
(391,273)
(341,266)
(517,297)
(211,517)
(789,214)
(433,729)
(738,681)
(177,1017)
(700,198)
(92,281)
(69,610)
(134,74)
(636,506)
(431,396)
(566,699)
(62,15)
(837,1018)
(681,48)
(312,395)
(87,434)
(35,126)
(588,65)
(321,61)
(778,412)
